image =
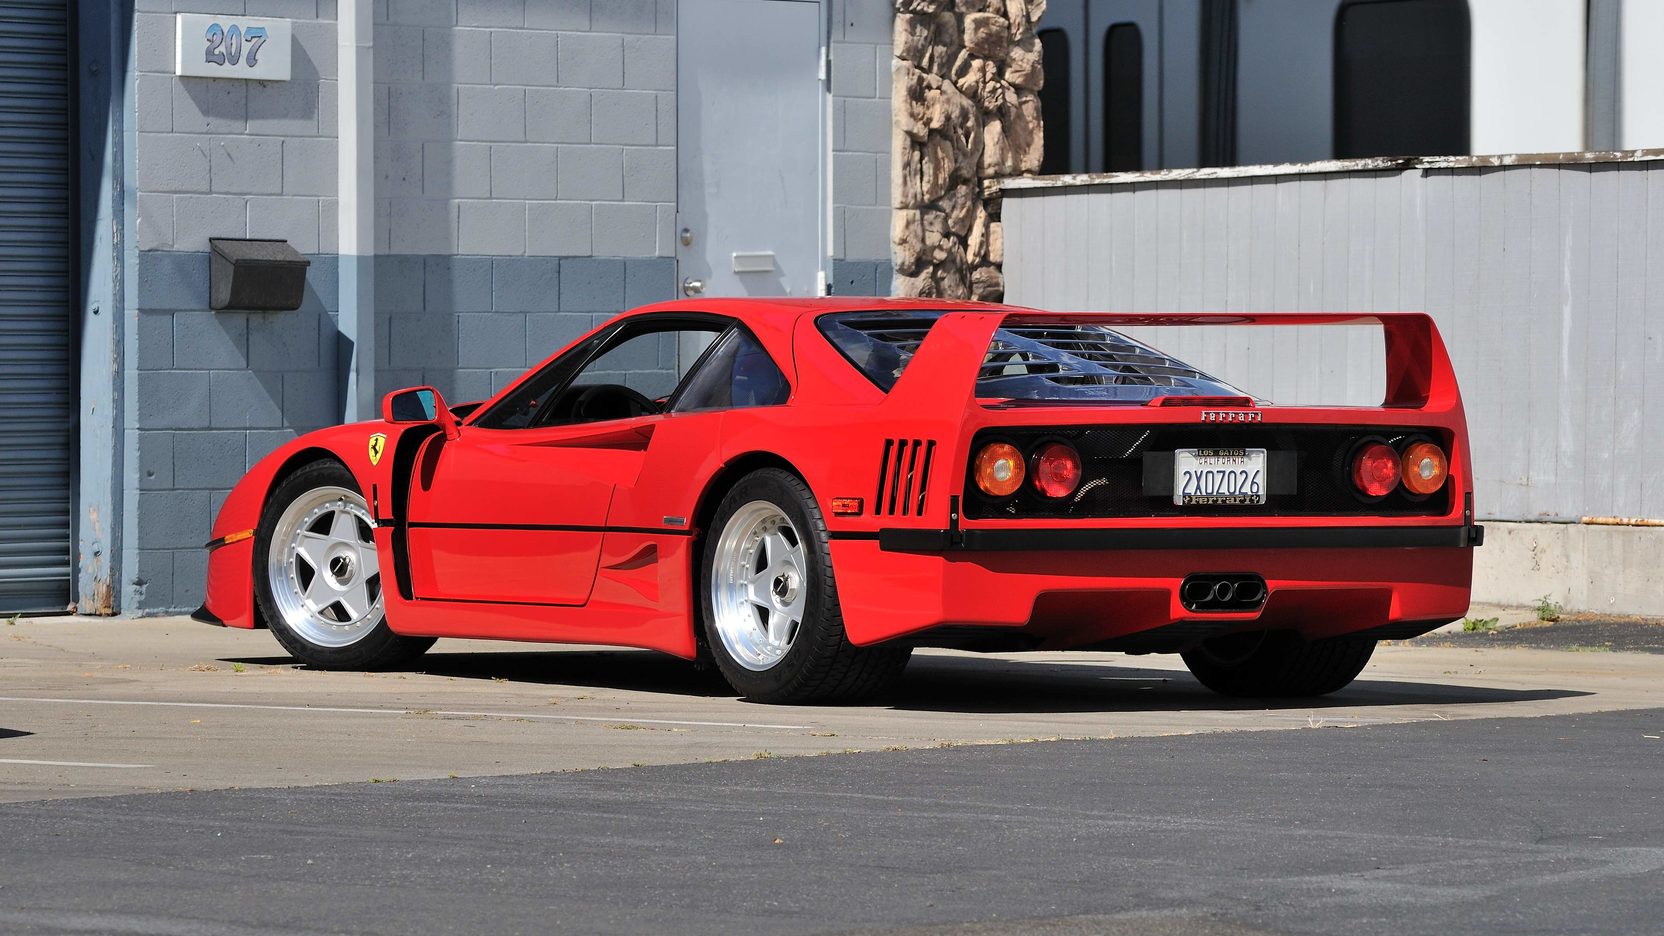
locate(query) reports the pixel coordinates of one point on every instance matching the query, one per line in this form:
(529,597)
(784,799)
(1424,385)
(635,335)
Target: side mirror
(419,405)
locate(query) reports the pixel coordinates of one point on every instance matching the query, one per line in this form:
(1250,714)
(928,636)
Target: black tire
(379,648)
(1278,664)
(821,666)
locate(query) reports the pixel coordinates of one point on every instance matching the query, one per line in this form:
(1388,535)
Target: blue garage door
(37,399)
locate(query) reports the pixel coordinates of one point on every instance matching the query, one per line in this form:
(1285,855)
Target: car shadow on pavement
(951,683)
(13,733)
(960,684)
(633,670)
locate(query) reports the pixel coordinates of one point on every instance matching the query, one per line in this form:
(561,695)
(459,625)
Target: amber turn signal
(1425,468)
(999,469)
(1375,469)
(846,506)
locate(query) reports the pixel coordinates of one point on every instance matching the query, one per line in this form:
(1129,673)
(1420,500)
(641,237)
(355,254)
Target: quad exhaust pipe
(1222,592)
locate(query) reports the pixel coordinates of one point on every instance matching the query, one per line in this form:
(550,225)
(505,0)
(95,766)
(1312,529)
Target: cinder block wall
(209,394)
(525,186)
(525,190)
(861,41)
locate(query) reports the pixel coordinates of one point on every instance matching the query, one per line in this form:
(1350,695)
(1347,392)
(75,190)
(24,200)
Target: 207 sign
(214,46)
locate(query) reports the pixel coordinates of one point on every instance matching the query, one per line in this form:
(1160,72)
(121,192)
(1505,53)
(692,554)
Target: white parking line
(66,763)
(407,711)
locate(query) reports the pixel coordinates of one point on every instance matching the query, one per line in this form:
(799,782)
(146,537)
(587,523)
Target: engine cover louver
(903,477)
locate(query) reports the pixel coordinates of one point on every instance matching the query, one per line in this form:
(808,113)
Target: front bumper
(1077,588)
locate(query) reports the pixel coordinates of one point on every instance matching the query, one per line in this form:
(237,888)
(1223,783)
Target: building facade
(533,167)
(475,182)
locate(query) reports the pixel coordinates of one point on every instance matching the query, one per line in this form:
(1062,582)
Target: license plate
(1229,477)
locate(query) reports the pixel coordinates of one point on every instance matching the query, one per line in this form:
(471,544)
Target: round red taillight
(1056,469)
(1425,468)
(1375,469)
(999,469)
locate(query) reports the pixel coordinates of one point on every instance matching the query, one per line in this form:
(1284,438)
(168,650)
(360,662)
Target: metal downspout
(355,179)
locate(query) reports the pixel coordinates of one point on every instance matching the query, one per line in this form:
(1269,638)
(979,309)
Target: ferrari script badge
(377,443)
(1232,416)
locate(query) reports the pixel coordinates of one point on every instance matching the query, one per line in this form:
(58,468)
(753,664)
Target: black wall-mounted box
(255,275)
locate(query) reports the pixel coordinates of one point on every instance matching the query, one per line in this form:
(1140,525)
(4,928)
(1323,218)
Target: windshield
(1058,362)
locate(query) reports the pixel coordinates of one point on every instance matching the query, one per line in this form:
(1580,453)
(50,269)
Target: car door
(514,510)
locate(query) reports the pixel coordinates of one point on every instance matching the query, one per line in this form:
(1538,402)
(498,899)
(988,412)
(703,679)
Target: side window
(524,406)
(630,371)
(634,377)
(738,373)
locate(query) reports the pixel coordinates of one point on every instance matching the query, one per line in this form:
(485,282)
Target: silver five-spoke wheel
(772,622)
(759,585)
(322,567)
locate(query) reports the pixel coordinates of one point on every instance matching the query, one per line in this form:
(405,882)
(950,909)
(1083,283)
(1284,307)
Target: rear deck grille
(903,477)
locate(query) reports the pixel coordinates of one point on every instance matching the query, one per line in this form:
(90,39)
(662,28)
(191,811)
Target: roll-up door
(37,390)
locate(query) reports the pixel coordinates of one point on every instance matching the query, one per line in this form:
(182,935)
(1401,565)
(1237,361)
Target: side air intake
(903,477)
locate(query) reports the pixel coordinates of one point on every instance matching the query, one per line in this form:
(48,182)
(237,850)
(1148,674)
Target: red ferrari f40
(802,491)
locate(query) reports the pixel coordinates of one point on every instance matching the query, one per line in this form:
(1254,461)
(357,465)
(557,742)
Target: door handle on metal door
(693,287)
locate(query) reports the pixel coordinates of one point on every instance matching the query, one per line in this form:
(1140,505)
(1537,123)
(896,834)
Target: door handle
(693,287)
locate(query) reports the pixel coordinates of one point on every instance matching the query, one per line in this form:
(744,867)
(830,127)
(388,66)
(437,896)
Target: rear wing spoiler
(1418,369)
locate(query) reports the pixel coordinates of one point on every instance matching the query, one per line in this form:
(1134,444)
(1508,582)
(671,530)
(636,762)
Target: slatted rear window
(1053,362)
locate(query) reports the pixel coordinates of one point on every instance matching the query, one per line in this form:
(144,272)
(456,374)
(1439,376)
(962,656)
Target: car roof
(779,314)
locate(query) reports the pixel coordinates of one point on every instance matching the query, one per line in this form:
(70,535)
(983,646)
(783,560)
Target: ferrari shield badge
(377,443)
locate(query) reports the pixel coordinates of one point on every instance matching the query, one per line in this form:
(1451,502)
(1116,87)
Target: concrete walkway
(99,706)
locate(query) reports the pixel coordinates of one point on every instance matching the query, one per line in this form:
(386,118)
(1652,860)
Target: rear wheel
(1278,664)
(317,576)
(769,603)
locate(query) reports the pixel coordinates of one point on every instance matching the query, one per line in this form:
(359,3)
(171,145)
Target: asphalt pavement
(1516,826)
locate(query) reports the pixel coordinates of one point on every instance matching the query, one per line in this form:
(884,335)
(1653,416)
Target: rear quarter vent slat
(904,477)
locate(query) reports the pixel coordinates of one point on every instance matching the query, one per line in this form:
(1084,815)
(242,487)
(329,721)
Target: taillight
(999,469)
(1056,469)
(1375,469)
(1425,468)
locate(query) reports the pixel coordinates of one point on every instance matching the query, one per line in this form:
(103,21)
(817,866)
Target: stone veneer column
(966,112)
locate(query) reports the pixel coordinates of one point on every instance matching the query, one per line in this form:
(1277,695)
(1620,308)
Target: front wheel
(317,578)
(769,603)
(1277,664)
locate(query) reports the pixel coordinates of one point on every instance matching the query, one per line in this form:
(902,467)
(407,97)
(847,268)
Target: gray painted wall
(861,56)
(1547,282)
(525,186)
(525,190)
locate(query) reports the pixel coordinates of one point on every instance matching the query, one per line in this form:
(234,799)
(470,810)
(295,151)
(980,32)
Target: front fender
(230,585)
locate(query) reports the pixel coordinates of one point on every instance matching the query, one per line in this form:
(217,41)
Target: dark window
(1055,101)
(1123,98)
(879,344)
(624,372)
(524,404)
(1219,49)
(737,373)
(1402,78)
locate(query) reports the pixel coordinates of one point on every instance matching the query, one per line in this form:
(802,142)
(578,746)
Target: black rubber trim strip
(981,540)
(548,527)
(206,616)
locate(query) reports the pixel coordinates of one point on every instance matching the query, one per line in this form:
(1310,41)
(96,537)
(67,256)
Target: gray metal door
(37,396)
(749,120)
